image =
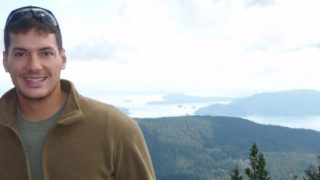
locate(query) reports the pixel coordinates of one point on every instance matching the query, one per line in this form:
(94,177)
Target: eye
(47,53)
(19,54)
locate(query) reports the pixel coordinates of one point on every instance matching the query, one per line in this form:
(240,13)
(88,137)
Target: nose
(34,63)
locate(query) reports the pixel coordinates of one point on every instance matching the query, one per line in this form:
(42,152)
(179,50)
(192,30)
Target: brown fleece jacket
(91,141)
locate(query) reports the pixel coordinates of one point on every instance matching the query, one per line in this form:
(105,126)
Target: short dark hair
(31,17)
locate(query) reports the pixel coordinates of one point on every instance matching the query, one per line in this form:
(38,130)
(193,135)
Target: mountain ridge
(207,147)
(292,103)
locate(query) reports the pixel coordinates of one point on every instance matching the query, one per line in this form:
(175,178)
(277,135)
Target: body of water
(307,122)
(138,107)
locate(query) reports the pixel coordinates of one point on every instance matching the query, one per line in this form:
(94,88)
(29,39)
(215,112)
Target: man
(47,130)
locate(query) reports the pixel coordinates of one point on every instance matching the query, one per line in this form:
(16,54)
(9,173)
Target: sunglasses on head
(37,12)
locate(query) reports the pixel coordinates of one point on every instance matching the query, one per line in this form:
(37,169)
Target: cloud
(260,2)
(304,47)
(191,45)
(100,49)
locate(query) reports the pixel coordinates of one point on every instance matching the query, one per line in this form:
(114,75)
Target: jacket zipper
(24,150)
(44,151)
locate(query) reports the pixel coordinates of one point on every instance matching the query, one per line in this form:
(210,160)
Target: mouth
(34,81)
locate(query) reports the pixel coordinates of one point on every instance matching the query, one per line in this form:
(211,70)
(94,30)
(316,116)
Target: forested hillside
(205,147)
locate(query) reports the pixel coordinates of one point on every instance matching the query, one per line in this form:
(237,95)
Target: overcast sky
(215,47)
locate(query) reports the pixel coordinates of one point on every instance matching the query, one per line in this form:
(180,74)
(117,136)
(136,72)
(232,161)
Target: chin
(34,94)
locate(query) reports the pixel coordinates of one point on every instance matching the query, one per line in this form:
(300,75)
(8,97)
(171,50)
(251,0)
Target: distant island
(293,103)
(179,98)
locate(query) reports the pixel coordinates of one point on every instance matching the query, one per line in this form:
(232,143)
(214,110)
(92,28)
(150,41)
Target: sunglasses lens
(35,11)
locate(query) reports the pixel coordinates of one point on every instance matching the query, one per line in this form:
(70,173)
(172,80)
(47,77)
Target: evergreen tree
(313,173)
(235,175)
(257,170)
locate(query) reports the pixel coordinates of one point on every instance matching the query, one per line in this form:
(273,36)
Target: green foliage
(235,174)
(206,148)
(287,165)
(313,173)
(257,169)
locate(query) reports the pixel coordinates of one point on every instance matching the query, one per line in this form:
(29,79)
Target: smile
(34,81)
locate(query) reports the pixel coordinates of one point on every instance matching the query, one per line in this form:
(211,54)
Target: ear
(63,58)
(5,61)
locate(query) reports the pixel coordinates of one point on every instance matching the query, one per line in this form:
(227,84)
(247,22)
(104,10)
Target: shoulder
(94,110)
(97,108)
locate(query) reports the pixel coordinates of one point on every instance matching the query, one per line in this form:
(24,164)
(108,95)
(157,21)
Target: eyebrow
(25,49)
(18,49)
(46,48)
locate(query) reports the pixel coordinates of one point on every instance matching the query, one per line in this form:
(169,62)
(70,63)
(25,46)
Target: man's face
(34,63)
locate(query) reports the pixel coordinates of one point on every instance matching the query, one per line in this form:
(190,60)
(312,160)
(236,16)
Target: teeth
(35,79)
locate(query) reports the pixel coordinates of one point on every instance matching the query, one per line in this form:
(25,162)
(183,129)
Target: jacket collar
(72,111)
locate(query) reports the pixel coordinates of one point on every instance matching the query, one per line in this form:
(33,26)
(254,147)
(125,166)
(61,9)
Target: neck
(42,108)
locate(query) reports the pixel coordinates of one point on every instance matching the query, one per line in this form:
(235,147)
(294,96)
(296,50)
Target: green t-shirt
(33,136)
